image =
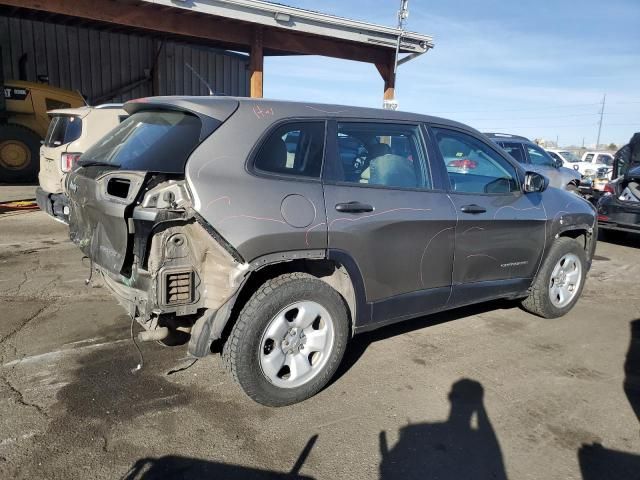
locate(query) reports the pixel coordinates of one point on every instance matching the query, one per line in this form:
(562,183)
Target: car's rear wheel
(288,341)
(560,280)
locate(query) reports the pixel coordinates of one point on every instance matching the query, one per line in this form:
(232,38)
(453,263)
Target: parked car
(568,158)
(71,132)
(201,228)
(536,159)
(619,208)
(24,123)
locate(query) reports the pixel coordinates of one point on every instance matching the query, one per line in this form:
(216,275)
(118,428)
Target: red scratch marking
(262,112)
(376,214)
(326,111)
(251,217)
(228,199)
(515,208)
(424,252)
(306,236)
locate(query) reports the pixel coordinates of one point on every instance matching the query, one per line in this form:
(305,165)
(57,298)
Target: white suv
(71,132)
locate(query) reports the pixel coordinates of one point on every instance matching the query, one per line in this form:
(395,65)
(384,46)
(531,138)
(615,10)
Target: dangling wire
(182,369)
(141,362)
(88,280)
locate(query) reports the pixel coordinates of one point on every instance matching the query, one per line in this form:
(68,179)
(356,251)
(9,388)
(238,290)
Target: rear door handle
(354,207)
(473,208)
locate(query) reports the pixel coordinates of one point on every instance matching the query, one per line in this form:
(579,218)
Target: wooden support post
(256,64)
(389,77)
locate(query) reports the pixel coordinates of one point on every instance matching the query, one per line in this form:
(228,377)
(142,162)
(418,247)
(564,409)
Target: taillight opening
(68,161)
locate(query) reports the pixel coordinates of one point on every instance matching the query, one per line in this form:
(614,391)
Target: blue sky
(535,68)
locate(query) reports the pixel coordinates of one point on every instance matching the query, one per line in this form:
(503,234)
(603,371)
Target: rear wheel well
(328,271)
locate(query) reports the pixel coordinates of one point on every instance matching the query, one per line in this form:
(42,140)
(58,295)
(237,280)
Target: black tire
(26,139)
(240,352)
(539,300)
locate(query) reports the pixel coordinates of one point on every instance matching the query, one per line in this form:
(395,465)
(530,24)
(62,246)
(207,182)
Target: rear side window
(537,156)
(295,148)
(63,129)
(604,160)
(515,150)
(156,141)
(473,166)
(589,157)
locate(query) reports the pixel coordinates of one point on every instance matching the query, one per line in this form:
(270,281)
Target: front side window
(473,166)
(515,150)
(538,156)
(381,154)
(295,148)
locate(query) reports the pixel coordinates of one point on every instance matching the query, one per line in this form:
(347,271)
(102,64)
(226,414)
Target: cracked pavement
(71,408)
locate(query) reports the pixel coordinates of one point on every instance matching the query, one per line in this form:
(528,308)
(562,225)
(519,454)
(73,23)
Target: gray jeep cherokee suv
(279,230)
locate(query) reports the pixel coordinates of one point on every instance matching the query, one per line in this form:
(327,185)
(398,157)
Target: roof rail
(109,105)
(506,135)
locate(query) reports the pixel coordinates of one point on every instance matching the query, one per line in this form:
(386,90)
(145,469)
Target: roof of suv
(211,106)
(507,136)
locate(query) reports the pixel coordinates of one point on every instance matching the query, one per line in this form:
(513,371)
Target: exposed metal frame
(307,21)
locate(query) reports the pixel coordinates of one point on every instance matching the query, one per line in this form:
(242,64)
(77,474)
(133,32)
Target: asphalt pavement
(482,392)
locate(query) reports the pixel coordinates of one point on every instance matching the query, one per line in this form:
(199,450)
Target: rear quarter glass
(150,140)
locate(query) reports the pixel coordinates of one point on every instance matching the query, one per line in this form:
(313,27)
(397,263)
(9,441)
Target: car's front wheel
(560,280)
(288,340)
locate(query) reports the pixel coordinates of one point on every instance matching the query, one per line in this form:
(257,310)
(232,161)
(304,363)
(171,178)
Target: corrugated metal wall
(97,62)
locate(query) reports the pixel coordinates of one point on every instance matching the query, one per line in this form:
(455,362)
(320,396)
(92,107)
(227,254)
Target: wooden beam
(144,17)
(290,41)
(388,75)
(256,64)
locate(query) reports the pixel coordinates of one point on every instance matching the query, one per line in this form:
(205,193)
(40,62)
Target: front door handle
(354,207)
(473,208)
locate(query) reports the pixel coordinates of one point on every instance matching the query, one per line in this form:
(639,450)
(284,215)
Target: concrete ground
(483,392)
(11,193)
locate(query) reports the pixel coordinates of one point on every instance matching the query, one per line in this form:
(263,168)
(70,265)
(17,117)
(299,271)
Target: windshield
(158,141)
(569,157)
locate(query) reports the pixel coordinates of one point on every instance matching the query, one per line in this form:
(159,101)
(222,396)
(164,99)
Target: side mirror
(534,182)
(557,163)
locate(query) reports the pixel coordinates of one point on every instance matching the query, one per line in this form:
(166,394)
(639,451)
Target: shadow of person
(465,446)
(632,369)
(598,462)
(174,467)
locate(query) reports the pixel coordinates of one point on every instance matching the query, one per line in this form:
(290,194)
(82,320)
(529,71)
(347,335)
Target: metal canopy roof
(305,21)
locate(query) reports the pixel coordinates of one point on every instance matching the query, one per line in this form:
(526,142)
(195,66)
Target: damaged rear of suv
(281,229)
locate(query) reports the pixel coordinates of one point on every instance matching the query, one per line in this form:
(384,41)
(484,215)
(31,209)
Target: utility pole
(403,14)
(604,99)
(390,101)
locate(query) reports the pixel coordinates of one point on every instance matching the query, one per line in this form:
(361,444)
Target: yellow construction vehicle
(24,123)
